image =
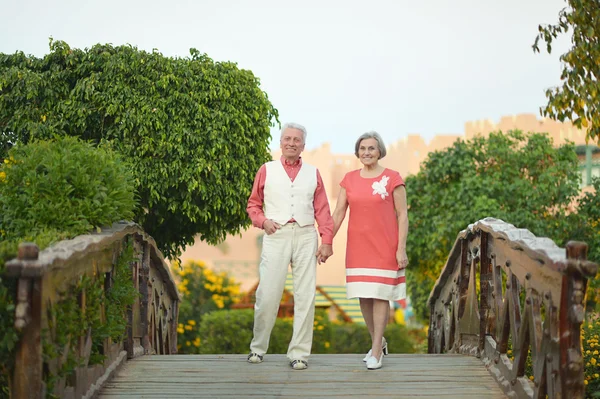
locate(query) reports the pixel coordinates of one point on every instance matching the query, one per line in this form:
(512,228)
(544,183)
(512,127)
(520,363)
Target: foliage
(63,184)
(39,208)
(202,292)
(230,331)
(588,230)
(104,316)
(194,130)
(578,98)
(522,179)
(8,334)
(117,300)
(590,336)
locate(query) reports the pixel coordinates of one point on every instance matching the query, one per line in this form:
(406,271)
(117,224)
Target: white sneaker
(299,364)
(255,358)
(384,349)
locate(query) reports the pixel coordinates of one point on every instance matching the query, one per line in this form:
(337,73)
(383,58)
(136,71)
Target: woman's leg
(366,307)
(380,315)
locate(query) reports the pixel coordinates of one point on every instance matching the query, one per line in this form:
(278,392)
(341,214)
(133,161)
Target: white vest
(285,199)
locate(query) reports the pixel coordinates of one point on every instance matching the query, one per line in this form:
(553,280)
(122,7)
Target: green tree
(588,212)
(195,131)
(521,179)
(578,98)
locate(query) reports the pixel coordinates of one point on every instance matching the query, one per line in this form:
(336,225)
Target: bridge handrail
(44,277)
(530,295)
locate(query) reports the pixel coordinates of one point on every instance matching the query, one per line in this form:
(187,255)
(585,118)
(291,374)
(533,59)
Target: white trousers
(294,245)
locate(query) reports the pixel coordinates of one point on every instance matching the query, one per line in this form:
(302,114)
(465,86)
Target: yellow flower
(2,176)
(197,342)
(327,345)
(192,322)
(187,343)
(593,361)
(188,327)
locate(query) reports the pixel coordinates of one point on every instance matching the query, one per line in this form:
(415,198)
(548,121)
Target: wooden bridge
(501,289)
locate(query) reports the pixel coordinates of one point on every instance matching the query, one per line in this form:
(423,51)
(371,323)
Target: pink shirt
(320,203)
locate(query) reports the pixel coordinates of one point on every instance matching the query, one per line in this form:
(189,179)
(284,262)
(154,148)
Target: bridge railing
(517,302)
(46,278)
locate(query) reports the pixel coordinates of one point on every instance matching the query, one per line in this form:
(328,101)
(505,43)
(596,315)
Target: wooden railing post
(572,314)
(27,377)
(485,287)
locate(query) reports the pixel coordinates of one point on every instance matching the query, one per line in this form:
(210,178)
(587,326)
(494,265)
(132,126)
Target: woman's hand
(401,258)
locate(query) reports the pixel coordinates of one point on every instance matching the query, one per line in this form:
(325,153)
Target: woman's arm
(340,210)
(402,214)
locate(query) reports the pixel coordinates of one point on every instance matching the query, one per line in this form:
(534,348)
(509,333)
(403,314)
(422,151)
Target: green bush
(50,191)
(230,331)
(64,185)
(590,337)
(202,292)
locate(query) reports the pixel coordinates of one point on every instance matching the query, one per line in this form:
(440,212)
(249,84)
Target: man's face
(292,143)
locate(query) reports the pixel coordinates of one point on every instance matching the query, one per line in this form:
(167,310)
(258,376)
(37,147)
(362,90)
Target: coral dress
(371,265)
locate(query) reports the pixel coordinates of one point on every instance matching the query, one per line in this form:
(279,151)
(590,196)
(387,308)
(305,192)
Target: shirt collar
(285,162)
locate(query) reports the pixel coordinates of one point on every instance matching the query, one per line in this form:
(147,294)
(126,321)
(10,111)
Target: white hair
(292,125)
(371,135)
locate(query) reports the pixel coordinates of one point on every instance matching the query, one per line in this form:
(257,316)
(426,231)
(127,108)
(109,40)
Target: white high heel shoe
(373,363)
(384,350)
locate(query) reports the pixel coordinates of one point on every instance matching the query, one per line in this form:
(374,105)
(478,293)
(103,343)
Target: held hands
(324,252)
(270,226)
(401,258)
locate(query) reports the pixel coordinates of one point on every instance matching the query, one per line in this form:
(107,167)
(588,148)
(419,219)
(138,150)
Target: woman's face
(368,152)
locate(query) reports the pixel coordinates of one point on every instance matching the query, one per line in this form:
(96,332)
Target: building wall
(239,256)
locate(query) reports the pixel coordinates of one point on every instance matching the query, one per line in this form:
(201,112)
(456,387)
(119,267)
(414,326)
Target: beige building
(239,255)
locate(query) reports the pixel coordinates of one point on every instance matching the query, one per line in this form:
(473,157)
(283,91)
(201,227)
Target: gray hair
(371,135)
(292,125)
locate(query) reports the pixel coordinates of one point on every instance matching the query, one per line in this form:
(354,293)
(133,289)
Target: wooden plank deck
(328,376)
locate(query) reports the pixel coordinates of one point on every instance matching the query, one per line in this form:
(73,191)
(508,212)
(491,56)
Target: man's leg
(304,270)
(275,259)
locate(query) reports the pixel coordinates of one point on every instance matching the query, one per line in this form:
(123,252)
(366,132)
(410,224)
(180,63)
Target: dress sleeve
(344,182)
(397,180)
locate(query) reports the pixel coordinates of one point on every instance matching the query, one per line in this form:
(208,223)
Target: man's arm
(324,220)
(322,212)
(255,202)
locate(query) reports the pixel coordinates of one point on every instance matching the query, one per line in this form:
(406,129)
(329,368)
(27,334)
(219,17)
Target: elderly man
(294,197)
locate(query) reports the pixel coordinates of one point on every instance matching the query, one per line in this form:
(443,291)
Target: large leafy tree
(195,131)
(588,212)
(521,179)
(578,98)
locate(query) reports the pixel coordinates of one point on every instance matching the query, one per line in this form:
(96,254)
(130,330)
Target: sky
(339,67)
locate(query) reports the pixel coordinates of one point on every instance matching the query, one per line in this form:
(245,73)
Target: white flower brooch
(379,187)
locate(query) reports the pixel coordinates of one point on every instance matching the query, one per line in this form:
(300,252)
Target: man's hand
(270,226)
(401,258)
(324,252)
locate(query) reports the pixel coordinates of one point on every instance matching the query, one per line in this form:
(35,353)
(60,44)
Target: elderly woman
(376,247)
